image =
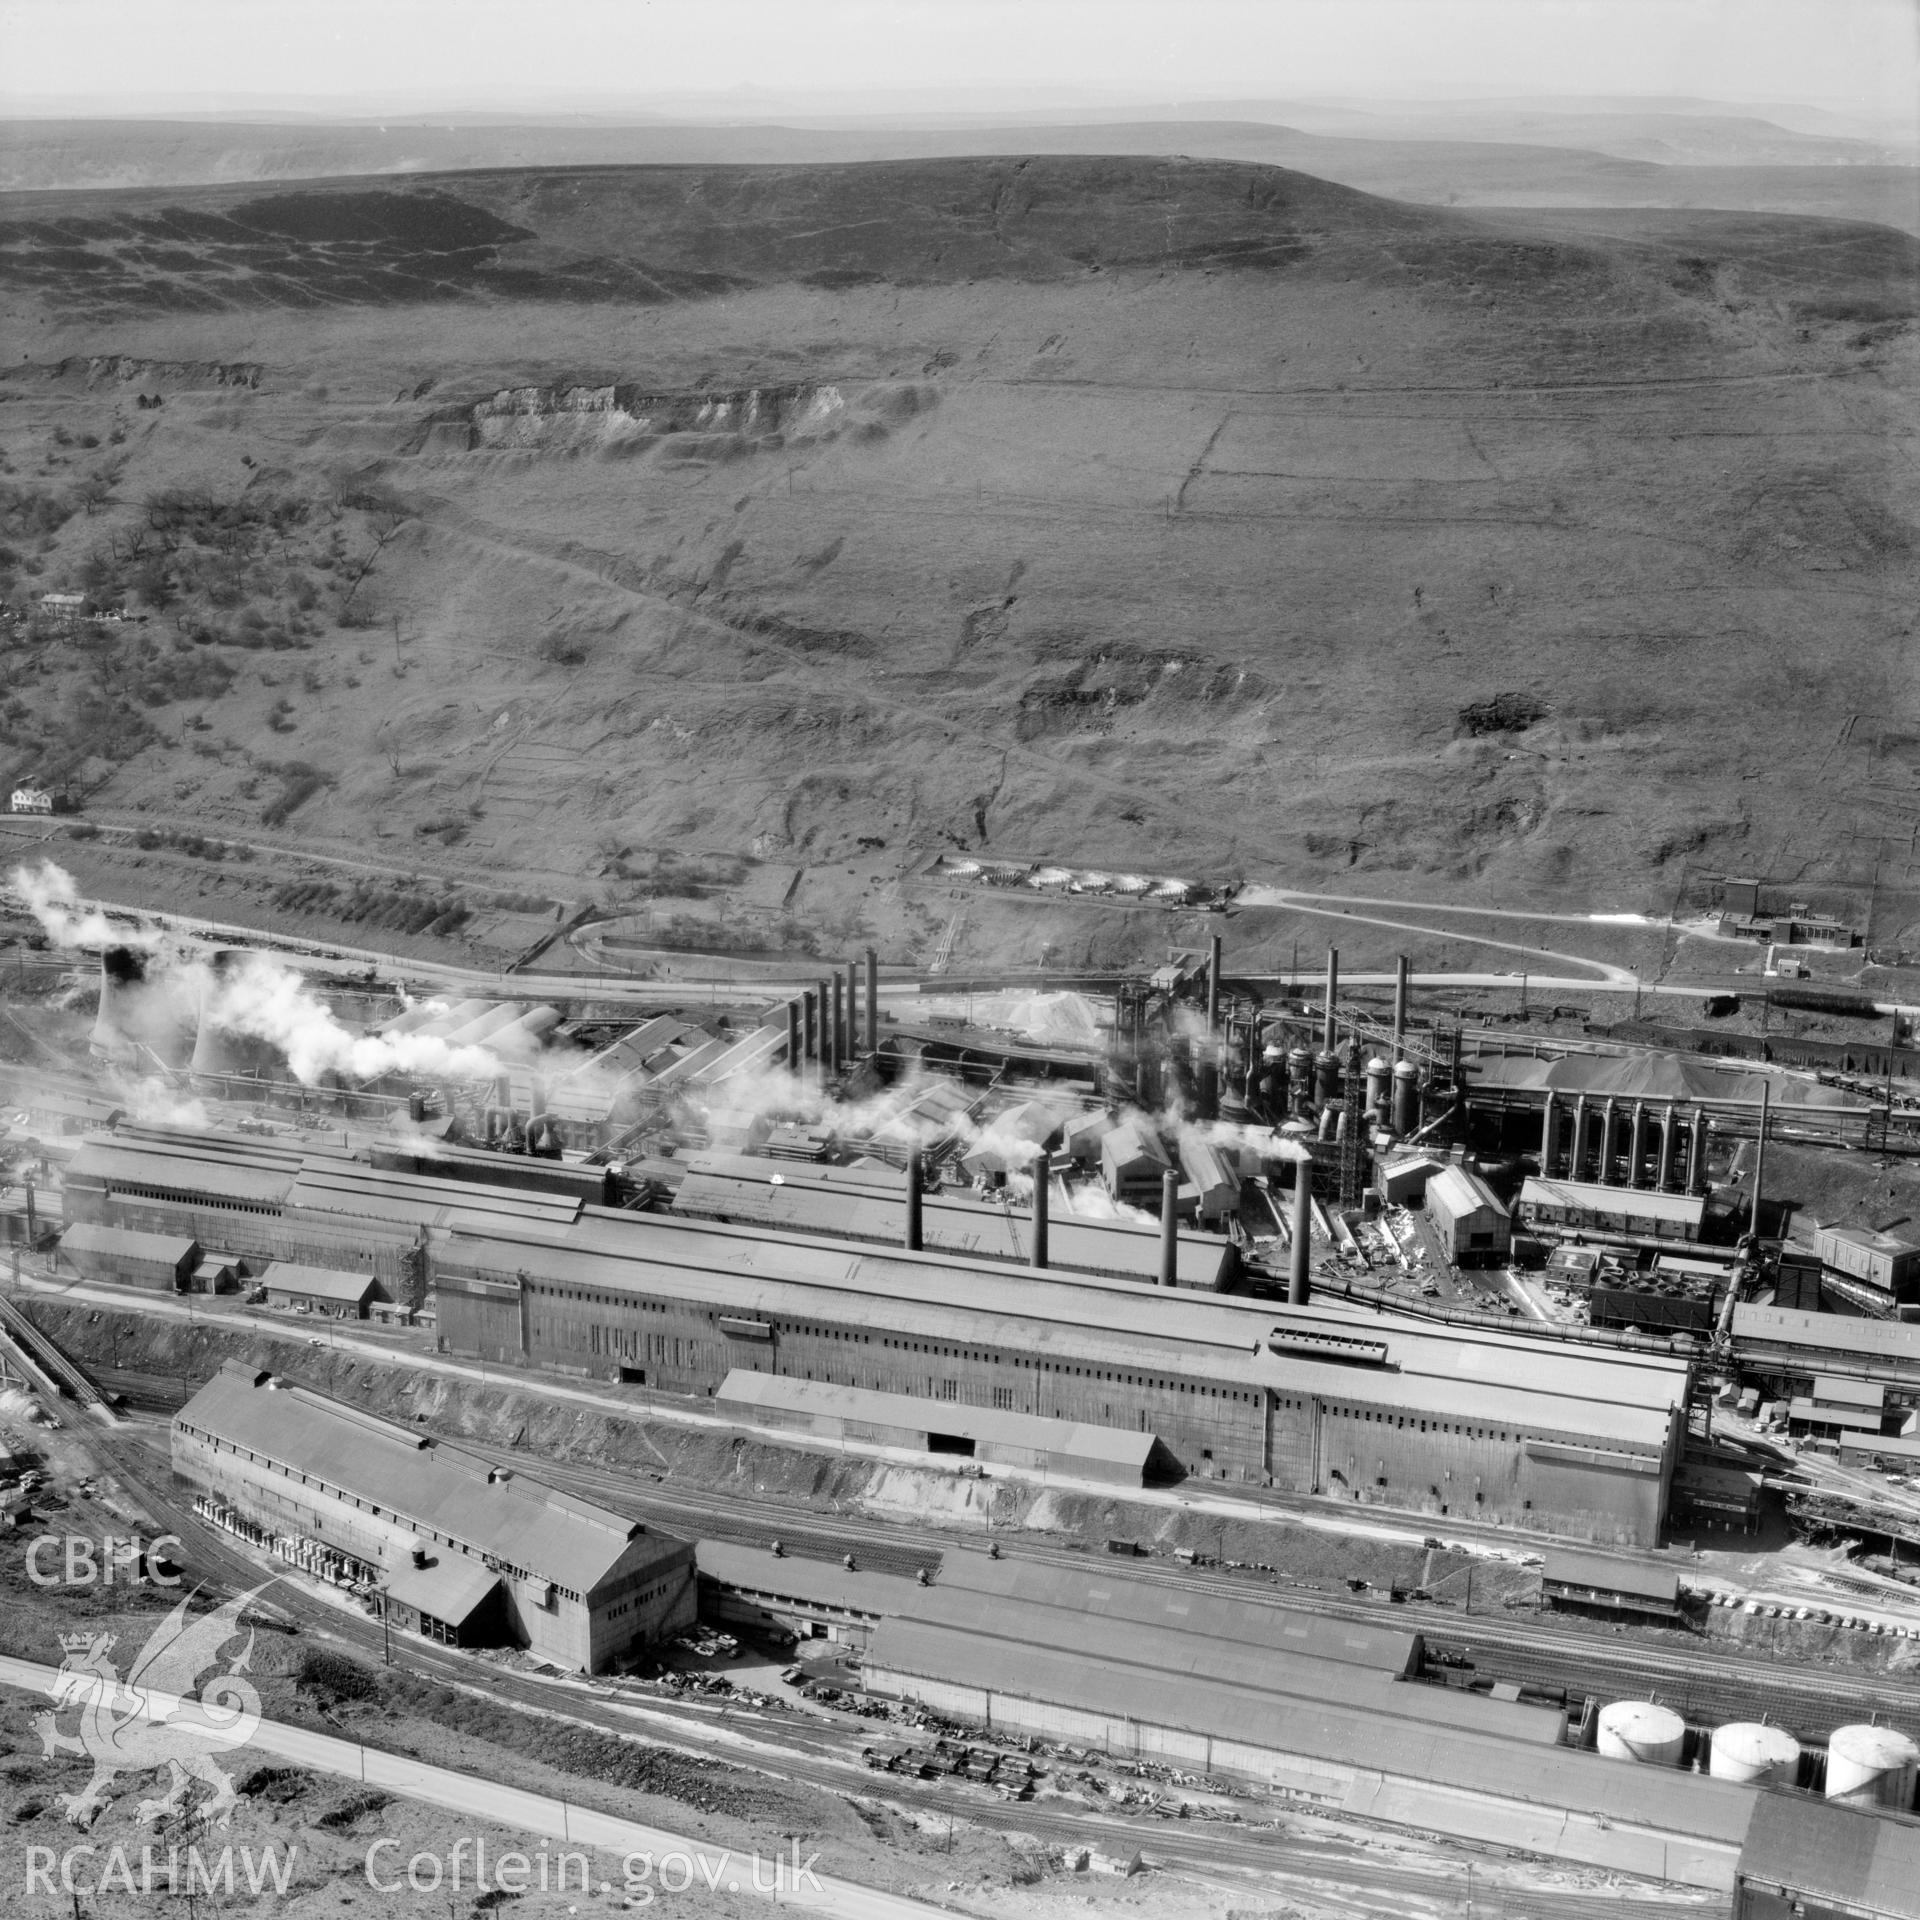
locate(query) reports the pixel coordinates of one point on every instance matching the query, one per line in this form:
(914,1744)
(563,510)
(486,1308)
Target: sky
(351,56)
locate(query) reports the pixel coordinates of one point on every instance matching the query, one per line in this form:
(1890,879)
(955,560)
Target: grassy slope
(1176,512)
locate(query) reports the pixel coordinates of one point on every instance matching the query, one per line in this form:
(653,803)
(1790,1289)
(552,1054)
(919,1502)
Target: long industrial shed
(1445,1778)
(1329,1399)
(790,1197)
(1325,1400)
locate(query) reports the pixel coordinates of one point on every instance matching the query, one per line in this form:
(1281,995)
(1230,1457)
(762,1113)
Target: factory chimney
(809,1041)
(1760,1159)
(793,1036)
(1169,1227)
(853,1013)
(913,1201)
(1400,977)
(873,1001)
(1040,1197)
(1333,988)
(1213,984)
(836,1021)
(1299,1289)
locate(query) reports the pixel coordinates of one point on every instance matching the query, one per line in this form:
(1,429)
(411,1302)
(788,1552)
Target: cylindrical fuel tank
(1753,1752)
(1642,1730)
(1872,1767)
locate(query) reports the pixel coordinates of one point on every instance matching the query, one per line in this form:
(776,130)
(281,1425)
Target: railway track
(826,1756)
(1707,1688)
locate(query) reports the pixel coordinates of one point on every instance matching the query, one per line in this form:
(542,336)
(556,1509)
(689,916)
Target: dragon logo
(152,1719)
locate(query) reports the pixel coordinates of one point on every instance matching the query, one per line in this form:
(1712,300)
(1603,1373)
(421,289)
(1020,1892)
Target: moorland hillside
(1195,515)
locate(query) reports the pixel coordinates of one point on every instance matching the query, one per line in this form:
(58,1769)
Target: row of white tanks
(1867,1766)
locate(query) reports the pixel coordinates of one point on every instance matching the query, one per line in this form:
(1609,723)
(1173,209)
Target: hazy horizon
(1853,60)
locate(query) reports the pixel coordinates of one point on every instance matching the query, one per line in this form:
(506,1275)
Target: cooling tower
(218,1051)
(139,1022)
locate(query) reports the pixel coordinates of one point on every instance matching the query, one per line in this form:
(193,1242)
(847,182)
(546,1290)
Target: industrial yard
(1492,1384)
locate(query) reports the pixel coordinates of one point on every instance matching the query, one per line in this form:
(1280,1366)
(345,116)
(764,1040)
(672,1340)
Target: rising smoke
(252,995)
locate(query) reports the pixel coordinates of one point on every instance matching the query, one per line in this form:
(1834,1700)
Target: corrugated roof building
(1473,1227)
(822,1200)
(159,1262)
(944,1427)
(1450,1778)
(1630,1213)
(324,1290)
(1133,1163)
(1881,1260)
(1815,1860)
(467,1548)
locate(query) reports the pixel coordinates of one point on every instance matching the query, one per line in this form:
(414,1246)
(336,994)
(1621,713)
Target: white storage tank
(1642,1730)
(1872,1767)
(1755,1753)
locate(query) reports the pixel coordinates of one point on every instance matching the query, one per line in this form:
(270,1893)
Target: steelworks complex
(1274,1250)
(1331,1398)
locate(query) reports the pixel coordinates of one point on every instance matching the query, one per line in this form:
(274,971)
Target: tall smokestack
(1400,978)
(1299,1288)
(793,1036)
(1333,989)
(1040,1198)
(836,1022)
(1169,1228)
(1213,984)
(873,1001)
(1760,1159)
(811,1042)
(853,1013)
(913,1201)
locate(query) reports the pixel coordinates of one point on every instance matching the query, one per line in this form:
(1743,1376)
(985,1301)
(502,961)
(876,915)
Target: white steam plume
(49,894)
(253,997)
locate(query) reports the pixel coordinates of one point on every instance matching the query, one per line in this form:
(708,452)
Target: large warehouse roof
(1584,1196)
(1828,1332)
(839,1407)
(125,1243)
(1106,1593)
(1714,1810)
(137,1164)
(1432,1371)
(419,1481)
(318,1283)
(1864,1863)
(802,1582)
(1171,1652)
(785,1195)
